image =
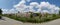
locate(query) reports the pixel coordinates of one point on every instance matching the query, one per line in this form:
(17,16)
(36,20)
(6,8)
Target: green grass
(34,19)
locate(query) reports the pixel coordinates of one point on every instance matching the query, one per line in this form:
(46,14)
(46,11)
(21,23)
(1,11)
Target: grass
(35,19)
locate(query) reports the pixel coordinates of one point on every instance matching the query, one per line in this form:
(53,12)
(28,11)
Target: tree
(31,14)
(0,11)
(0,14)
(59,12)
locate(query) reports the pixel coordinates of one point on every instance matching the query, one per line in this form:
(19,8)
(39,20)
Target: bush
(37,19)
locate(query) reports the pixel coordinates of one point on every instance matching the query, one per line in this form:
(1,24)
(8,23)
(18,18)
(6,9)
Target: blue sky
(8,4)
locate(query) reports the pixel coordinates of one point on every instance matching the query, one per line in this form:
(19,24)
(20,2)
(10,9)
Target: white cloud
(49,6)
(7,11)
(26,0)
(44,4)
(22,7)
(34,4)
(45,11)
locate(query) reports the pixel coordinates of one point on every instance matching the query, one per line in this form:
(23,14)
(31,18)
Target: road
(8,21)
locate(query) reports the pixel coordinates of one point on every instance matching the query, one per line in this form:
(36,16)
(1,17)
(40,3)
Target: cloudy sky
(12,6)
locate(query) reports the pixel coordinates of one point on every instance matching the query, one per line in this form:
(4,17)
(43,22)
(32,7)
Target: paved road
(8,21)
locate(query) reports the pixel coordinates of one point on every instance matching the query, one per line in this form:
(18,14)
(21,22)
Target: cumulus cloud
(7,11)
(44,7)
(21,6)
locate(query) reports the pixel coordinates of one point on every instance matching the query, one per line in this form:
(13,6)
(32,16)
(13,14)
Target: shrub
(36,19)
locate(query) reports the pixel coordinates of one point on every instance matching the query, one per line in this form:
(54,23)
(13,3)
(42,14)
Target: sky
(12,6)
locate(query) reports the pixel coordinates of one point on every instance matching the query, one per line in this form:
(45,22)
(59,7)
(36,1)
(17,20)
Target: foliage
(0,11)
(37,19)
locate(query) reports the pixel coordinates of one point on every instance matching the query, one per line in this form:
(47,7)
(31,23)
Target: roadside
(8,21)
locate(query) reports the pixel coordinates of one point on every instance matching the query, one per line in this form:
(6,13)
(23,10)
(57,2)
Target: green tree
(0,11)
(59,12)
(0,14)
